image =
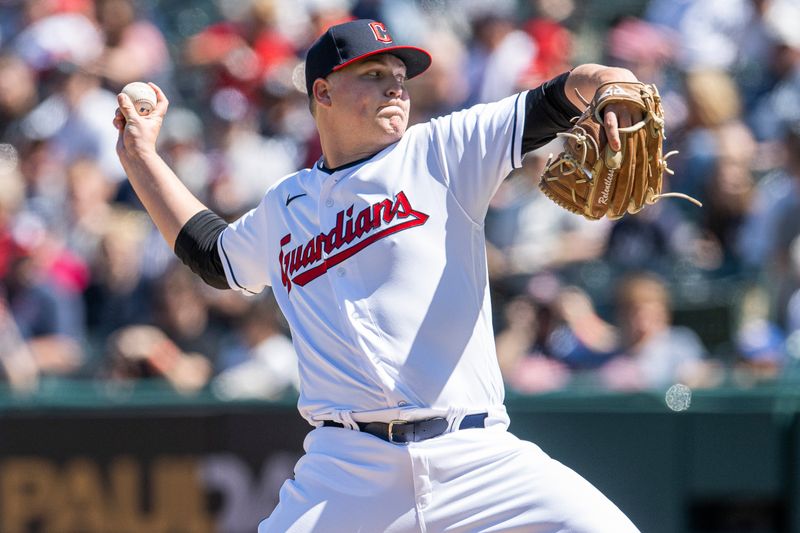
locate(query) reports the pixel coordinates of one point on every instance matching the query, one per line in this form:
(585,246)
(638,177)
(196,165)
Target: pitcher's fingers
(624,118)
(628,115)
(612,130)
(126,106)
(162,103)
(119,119)
(119,123)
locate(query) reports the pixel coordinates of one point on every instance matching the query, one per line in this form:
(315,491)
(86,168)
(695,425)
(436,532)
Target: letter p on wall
(26,493)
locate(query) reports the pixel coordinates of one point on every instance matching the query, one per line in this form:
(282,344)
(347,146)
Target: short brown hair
(642,287)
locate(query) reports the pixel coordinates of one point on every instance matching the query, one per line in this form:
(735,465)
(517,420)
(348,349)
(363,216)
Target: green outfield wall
(88,457)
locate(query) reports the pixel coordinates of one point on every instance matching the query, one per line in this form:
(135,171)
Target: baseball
(142,95)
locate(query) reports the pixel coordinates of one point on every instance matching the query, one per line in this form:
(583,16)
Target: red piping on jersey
(344,232)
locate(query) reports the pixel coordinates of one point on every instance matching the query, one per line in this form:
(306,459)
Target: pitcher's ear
(322,92)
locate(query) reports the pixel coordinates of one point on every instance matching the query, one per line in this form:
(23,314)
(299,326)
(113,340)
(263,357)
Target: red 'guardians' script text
(375,222)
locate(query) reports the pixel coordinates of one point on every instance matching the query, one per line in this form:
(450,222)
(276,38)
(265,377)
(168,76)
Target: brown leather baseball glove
(591,179)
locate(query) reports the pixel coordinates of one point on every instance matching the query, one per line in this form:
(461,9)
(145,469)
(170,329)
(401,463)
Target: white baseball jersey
(380,269)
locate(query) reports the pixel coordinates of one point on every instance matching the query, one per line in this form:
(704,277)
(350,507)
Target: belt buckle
(391,427)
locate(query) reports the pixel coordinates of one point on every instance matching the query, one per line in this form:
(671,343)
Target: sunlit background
(659,354)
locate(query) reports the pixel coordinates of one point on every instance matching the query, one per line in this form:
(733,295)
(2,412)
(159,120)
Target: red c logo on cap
(380,31)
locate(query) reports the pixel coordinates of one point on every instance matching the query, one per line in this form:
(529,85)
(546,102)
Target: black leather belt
(403,432)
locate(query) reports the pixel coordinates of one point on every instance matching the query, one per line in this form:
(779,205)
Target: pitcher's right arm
(187,225)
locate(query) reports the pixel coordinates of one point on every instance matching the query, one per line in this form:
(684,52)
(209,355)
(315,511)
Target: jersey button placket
(327,218)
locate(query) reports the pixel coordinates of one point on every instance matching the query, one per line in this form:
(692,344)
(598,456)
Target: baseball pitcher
(376,256)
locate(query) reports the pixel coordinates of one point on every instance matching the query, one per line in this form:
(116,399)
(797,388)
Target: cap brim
(416,59)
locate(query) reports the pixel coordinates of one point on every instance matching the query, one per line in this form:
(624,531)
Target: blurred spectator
(713,99)
(761,350)
(88,207)
(655,239)
(49,314)
(655,353)
(144,352)
(32,230)
(754,72)
(53,37)
(262,362)
(524,365)
(793,306)
(18,95)
(786,278)
(238,155)
(241,51)
(584,341)
(713,102)
(759,343)
(553,45)
(642,47)
(182,312)
(777,199)
(498,58)
(729,199)
(779,106)
(43,174)
(326,13)
(649,51)
(442,88)
(181,144)
(74,120)
(118,294)
(12,198)
(774,226)
(134,48)
(17,365)
(551,333)
(528,233)
(283,109)
(709,32)
(742,37)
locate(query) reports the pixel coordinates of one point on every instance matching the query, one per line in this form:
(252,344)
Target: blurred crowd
(705,297)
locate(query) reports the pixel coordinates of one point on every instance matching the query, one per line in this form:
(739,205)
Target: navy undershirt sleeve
(196,246)
(547,112)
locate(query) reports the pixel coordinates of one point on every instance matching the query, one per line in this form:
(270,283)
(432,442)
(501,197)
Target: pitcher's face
(370,97)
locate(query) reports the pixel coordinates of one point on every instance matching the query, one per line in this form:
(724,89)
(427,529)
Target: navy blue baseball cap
(346,43)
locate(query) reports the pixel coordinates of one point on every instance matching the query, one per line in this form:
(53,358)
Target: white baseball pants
(473,480)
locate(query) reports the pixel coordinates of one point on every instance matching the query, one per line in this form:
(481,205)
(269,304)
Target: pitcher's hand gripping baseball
(138,133)
(591,178)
